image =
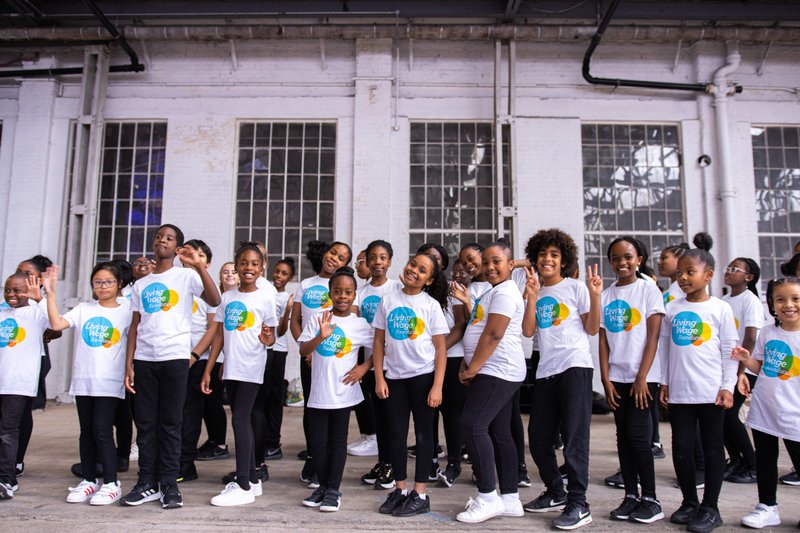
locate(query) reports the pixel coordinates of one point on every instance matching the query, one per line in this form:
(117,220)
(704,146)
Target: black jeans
(486,428)
(634,435)
(767,464)
(655,413)
(410,396)
(214,411)
(12,410)
(684,419)
(737,441)
(158,408)
(381,410)
(242,396)
(453,397)
(123,423)
(562,402)
(193,412)
(267,416)
(328,444)
(365,413)
(305,383)
(96,417)
(517,429)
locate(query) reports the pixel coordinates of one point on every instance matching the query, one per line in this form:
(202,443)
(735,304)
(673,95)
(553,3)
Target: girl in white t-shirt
(775,400)
(493,369)
(98,372)
(698,377)
(742,277)
(331,345)
(629,329)
(248,320)
(409,356)
(668,268)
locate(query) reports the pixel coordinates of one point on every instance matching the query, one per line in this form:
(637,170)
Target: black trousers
(123,423)
(242,396)
(267,416)
(655,413)
(486,428)
(634,435)
(684,419)
(767,464)
(453,397)
(96,443)
(737,440)
(213,409)
(12,410)
(381,410)
(328,444)
(305,383)
(410,397)
(158,407)
(562,402)
(517,429)
(365,413)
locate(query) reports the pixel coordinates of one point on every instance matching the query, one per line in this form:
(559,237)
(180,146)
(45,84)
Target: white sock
(404,492)
(423,495)
(488,496)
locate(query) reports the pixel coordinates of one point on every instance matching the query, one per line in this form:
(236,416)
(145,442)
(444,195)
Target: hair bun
(703,240)
(345,270)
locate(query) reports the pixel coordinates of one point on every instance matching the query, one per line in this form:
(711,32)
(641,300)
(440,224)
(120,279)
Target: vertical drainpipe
(721,89)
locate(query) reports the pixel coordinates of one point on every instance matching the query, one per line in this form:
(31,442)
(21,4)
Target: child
(228,278)
(362,269)
(565,313)
(742,277)
(494,368)
(415,357)
(157,363)
(21,329)
(332,345)
(698,377)
(775,402)
(248,318)
(629,331)
(98,372)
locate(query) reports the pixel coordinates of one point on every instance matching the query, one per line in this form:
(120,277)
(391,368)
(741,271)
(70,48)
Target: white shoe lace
(230,487)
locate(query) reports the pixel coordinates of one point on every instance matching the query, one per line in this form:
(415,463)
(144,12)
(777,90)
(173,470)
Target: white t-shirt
(313,297)
(698,338)
(456,350)
(165,302)
(775,401)
(264,283)
(369,298)
(21,331)
(563,341)
(625,310)
(507,362)
(477,289)
(333,358)
(674,292)
(242,315)
(748,311)
(98,365)
(282,342)
(200,311)
(410,323)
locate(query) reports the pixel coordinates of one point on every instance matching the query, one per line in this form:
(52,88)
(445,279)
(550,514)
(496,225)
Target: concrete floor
(39,505)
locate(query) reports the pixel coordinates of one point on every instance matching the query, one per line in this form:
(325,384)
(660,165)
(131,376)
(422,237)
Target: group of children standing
(417,345)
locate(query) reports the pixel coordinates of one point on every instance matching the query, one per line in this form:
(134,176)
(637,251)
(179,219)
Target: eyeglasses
(141,263)
(734,270)
(97,283)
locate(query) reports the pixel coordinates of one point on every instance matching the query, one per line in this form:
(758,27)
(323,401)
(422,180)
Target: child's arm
(355,374)
(639,390)
(531,295)
(130,349)
(295,324)
(742,354)
(496,326)
(591,320)
(50,281)
(457,331)
(663,342)
(612,396)
(325,330)
(439,365)
(283,325)
(381,388)
(210,291)
(216,348)
(207,339)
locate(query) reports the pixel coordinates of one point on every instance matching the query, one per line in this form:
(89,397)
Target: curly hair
(438,289)
(316,250)
(789,268)
(559,239)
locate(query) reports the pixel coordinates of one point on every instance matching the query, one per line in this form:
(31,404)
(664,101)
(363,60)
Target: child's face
(667,264)
(165,245)
(248,266)
(625,260)
(228,275)
(264,253)
(362,266)
(201,255)
(281,275)
(105,285)
(335,258)
(496,265)
(693,276)
(471,261)
(418,272)
(736,274)
(28,268)
(142,267)
(379,262)
(460,275)
(786,302)
(342,293)
(14,291)
(433,252)
(548,262)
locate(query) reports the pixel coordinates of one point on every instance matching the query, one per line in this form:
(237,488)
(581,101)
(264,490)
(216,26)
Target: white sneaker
(256,488)
(356,442)
(762,516)
(82,492)
(108,494)
(367,447)
(484,507)
(134,456)
(232,495)
(512,505)
(6,491)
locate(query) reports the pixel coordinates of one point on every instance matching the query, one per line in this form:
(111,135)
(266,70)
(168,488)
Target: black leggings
(328,444)
(365,413)
(267,416)
(684,419)
(305,383)
(410,396)
(634,435)
(214,411)
(517,429)
(242,395)
(123,423)
(453,396)
(381,411)
(737,441)
(12,410)
(767,464)
(486,428)
(96,417)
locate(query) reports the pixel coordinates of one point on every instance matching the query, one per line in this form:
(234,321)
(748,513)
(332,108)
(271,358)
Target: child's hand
(740,353)
(129,380)
(50,279)
(33,290)
(267,335)
(459,292)
(381,389)
(188,256)
(641,394)
(663,396)
(325,326)
(288,312)
(354,375)
(435,397)
(594,280)
(612,396)
(532,283)
(724,399)
(743,385)
(465,376)
(205,382)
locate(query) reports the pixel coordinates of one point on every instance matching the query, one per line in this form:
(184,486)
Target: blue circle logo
(316,297)
(237,317)
(98,331)
(369,306)
(336,345)
(403,323)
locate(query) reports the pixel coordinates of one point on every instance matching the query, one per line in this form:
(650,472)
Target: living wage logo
(316,297)
(403,323)
(620,316)
(11,334)
(157,297)
(688,328)
(550,313)
(477,313)
(779,361)
(337,344)
(369,306)
(237,317)
(668,298)
(99,331)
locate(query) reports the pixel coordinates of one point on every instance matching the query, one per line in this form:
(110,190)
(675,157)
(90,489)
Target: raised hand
(459,292)
(325,326)
(531,283)
(32,288)
(50,279)
(740,353)
(188,256)
(594,280)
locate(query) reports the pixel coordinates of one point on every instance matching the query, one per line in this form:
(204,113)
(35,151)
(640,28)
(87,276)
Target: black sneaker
(331,501)
(623,512)
(658,451)
(450,474)
(790,479)
(170,496)
(465,454)
(574,516)
(6,491)
(745,474)
(647,512)
(315,500)
(370,477)
(123,464)
(262,473)
(434,473)
(386,478)
(559,443)
(705,521)
(731,466)
(308,471)
(393,501)
(699,481)
(302,455)
(523,480)
(413,505)
(684,514)
(19,469)
(273,454)
(412,450)
(188,472)
(615,480)
(205,446)
(77,471)
(546,501)
(314,483)
(230,477)
(141,493)
(563,471)
(214,453)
